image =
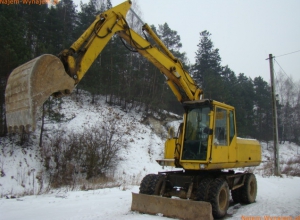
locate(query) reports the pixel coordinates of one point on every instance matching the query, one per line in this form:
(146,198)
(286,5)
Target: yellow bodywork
(241,153)
(238,152)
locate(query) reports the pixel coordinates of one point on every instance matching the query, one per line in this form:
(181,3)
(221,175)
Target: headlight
(202,166)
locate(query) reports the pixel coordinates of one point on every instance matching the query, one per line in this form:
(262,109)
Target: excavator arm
(31,84)
(94,39)
(179,80)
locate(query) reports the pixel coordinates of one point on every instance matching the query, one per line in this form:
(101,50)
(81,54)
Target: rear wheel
(151,184)
(236,195)
(249,190)
(219,197)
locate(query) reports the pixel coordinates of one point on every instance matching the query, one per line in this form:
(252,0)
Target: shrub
(88,154)
(292,167)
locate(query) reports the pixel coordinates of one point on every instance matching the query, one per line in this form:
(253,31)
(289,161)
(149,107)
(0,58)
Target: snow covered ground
(277,197)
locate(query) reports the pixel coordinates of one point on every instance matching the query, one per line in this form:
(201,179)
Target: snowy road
(277,197)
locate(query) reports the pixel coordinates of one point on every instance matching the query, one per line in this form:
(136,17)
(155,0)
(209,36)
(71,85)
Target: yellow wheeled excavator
(206,148)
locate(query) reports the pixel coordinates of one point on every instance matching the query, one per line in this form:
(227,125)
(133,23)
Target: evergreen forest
(128,80)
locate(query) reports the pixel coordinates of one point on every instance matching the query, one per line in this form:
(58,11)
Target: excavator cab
(208,140)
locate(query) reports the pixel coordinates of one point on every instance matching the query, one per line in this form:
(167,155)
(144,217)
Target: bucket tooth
(29,86)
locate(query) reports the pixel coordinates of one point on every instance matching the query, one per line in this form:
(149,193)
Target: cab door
(220,136)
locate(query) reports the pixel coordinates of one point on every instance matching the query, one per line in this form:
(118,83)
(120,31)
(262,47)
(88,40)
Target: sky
(244,31)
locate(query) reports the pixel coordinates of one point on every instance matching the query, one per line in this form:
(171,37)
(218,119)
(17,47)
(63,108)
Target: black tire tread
(214,191)
(245,190)
(203,189)
(236,195)
(150,184)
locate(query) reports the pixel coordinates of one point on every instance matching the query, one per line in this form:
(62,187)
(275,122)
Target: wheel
(249,190)
(151,184)
(219,197)
(236,195)
(203,189)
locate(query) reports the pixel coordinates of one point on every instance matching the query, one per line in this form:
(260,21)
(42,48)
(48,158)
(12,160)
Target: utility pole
(275,124)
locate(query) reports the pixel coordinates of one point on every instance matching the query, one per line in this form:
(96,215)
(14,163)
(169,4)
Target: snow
(99,204)
(277,196)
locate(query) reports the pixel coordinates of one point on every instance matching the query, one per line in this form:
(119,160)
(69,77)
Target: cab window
(220,130)
(196,134)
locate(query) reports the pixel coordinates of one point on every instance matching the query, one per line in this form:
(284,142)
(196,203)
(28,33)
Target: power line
(288,53)
(280,67)
(289,78)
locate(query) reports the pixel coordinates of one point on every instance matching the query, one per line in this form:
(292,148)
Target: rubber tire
(219,197)
(236,195)
(151,184)
(203,189)
(249,190)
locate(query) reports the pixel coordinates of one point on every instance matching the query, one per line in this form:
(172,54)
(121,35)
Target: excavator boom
(30,84)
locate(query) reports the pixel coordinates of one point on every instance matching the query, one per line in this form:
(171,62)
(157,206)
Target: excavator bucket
(174,208)
(29,86)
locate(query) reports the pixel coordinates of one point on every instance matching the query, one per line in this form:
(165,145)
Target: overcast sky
(244,31)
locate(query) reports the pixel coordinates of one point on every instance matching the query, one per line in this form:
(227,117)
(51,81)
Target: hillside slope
(143,144)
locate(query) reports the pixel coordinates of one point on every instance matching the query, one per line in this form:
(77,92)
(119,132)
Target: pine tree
(207,59)
(66,11)
(172,41)
(263,114)
(14,50)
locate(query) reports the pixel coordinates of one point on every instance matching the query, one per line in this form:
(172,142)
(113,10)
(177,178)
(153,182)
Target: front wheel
(151,184)
(219,197)
(203,189)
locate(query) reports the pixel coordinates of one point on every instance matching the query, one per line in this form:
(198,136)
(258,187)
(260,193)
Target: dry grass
(292,167)
(97,183)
